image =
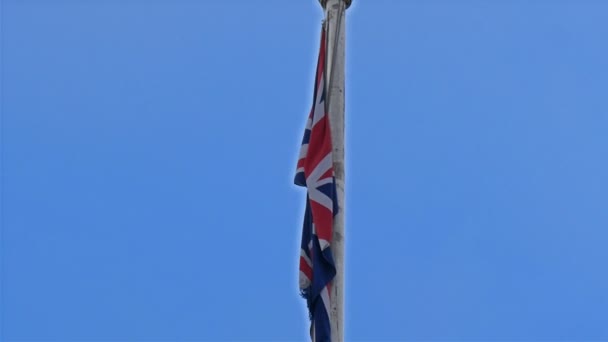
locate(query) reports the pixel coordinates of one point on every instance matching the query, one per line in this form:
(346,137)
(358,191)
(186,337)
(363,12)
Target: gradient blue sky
(148,150)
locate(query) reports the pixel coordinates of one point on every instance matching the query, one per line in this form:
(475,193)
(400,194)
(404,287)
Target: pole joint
(346,2)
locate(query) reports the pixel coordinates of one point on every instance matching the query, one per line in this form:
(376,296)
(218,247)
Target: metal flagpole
(335,21)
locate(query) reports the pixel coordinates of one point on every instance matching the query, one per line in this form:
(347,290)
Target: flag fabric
(315,172)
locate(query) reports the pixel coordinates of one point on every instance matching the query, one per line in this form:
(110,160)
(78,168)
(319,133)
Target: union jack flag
(315,172)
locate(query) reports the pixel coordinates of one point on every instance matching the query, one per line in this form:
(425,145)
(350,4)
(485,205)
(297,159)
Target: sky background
(148,152)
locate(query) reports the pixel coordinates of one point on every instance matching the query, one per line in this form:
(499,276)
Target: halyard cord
(333,56)
(341,11)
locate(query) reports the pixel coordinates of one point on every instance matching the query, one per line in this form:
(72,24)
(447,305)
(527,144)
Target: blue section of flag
(323,271)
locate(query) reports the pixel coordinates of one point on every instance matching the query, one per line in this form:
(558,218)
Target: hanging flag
(315,172)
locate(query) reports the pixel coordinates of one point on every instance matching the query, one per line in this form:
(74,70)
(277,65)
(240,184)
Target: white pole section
(335,19)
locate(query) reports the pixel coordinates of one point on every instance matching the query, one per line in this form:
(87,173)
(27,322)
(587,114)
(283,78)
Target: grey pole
(335,18)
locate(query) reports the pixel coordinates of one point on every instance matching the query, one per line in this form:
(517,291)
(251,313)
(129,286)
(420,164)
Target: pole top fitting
(347,2)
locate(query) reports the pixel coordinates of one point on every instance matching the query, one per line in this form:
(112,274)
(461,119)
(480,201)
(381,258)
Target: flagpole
(335,20)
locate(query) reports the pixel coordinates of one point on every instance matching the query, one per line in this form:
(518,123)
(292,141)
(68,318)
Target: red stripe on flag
(305,268)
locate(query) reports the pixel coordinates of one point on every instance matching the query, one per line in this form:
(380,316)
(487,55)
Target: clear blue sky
(148,152)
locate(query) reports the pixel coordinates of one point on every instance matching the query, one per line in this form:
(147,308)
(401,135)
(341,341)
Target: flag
(315,172)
